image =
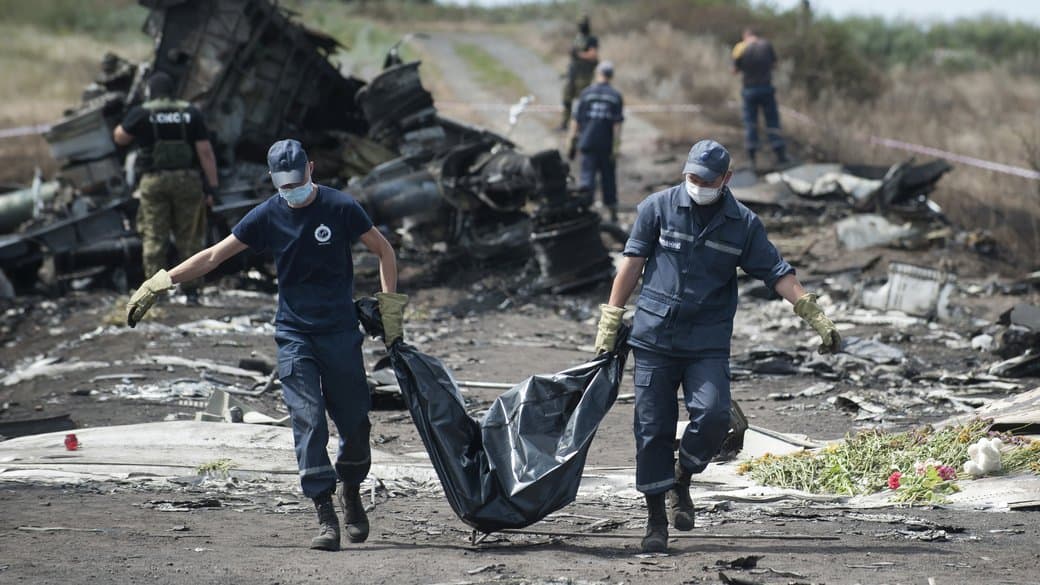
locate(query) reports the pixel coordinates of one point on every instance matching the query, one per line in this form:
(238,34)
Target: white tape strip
(24,131)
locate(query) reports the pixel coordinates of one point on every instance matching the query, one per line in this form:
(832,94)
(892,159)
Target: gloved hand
(391,309)
(616,149)
(808,310)
(145,296)
(609,323)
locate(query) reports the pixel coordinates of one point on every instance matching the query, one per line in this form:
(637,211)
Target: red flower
(946,472)
(893,480)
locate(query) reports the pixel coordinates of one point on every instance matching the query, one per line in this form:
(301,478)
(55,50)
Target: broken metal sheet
(200,364)
(35,426)
(869,230)
(1027,364)
(873,350)
(802,179)
(1019,413)
(914,290)
(1027,316)
(223,407)
(49,366)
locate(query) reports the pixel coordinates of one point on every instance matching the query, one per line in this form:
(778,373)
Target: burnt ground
(481,322)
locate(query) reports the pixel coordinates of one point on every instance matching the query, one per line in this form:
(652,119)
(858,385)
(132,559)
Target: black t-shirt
(756,63)
(311,248)
(166,120)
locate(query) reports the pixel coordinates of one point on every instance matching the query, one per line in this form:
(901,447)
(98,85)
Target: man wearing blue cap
(687,243)
(309,229)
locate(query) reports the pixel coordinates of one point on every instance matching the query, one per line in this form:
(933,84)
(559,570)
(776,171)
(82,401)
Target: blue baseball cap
(708,160)
(287,162)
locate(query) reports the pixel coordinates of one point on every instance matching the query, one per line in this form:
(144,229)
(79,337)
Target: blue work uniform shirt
(311,248)
(689,294)
(597,110)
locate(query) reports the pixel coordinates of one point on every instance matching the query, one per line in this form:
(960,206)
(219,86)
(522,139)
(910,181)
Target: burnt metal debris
(259,76)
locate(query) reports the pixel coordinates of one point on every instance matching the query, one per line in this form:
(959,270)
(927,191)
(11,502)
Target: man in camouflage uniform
(584,58)
(173,144)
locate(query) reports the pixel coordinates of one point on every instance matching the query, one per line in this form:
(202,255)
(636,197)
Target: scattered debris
(868,230)
(914,290)
(50,367)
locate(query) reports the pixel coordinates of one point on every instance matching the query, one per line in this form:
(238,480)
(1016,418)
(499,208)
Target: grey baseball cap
(708,160)
(287,162)
(606,68)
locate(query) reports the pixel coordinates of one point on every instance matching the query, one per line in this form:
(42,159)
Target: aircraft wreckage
(258,76)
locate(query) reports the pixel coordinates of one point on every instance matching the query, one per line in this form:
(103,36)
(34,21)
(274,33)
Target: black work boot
(612,210)
(679,500)
(656,539)
(356,521)
(781,156)
(328,524)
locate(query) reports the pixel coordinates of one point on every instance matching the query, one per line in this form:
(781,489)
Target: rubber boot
(328,524)
(356,521)
(751,160)
(656,539)
(612,210)
(679,500)
(781,156)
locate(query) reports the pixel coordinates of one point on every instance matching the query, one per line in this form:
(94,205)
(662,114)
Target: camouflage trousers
(171,202)
(576,83)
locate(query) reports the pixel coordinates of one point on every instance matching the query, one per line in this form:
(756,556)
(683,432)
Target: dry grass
(44,74)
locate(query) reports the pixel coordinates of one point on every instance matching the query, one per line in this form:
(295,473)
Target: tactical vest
(168,155)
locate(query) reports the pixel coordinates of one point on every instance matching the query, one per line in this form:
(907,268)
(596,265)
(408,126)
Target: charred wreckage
(258,76)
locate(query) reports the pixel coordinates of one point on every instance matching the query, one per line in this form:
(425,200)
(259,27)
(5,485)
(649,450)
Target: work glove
(391,309)
(616,149)
(811,313)
(145,296)
(609,323)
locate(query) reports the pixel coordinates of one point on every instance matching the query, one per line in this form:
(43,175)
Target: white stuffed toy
(985,457)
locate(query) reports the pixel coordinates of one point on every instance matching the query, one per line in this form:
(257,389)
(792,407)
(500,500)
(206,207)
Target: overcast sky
(918,10)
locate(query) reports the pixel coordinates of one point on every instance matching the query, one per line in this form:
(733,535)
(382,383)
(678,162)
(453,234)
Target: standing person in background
(596,132)
(754,59)
(584,57)
(686,244)
(173,144)
(309,229)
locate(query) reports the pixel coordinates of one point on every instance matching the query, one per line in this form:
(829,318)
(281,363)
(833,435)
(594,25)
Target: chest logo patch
(323,234)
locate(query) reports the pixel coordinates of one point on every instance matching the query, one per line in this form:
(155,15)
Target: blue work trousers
(705,384)
(593,163)
(761,98)
(325,373)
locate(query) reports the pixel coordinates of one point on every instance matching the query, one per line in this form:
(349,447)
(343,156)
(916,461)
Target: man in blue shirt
(596,132)
(309,229)
(687,243)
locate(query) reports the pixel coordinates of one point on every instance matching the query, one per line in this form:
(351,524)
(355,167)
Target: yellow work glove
(609,323)
(616,149)
(808,310)
(391,309)
(145,296)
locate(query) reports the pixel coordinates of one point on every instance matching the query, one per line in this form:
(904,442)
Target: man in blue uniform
(309,230)
(596,132)
(687,243)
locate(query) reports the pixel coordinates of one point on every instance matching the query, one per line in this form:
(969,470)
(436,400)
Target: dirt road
(476,319)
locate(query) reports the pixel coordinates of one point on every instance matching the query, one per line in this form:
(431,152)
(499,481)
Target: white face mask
(703,195)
